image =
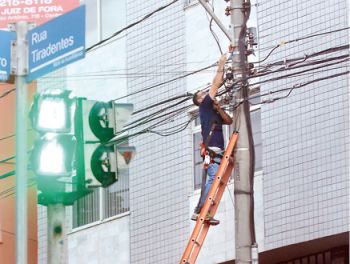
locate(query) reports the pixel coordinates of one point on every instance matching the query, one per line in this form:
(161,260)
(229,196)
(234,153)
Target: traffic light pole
(19,68)
(56,233)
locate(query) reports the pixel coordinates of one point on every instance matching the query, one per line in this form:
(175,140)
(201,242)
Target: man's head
(198,97)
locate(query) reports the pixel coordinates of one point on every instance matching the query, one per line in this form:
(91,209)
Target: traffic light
(54,152)
(100,122)
(73,145)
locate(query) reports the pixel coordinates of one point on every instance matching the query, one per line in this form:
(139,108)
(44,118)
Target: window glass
(255,117)
(197,159)
(86,210)
(92,24)
(117,195)
(113,16)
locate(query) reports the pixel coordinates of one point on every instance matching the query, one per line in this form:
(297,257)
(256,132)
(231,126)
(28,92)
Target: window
(103,203)
(103,18)
(333,256)
(197,159)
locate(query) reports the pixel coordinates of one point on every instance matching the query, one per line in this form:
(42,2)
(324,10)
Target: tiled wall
(305,136)
(160,174)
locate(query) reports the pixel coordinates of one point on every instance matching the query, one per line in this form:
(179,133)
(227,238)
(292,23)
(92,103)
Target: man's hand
(227,120)
(216,105)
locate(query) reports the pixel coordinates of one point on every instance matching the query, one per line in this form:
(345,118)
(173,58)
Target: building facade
(302,140)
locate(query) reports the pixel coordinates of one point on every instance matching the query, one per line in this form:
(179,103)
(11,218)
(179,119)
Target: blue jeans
(212,170)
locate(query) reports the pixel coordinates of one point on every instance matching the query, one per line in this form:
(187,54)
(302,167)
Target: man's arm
(227,120)
(218,78)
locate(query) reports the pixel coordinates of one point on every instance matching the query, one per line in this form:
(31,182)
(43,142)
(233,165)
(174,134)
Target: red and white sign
(37,11)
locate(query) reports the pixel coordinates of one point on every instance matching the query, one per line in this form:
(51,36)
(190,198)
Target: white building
(302,141)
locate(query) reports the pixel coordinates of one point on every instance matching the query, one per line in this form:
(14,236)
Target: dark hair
(195,99)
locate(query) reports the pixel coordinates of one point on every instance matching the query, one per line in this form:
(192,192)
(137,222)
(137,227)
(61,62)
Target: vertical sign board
(56,43)
(36,11)
(5,53)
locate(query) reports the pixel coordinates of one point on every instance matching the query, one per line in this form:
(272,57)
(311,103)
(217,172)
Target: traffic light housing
(73,145)
(53,155)
(100,122)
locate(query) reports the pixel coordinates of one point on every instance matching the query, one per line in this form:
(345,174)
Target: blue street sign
(5,53)
(56,43)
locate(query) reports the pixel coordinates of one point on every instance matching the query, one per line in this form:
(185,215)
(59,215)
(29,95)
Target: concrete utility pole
(244,168)
(246,247)
(20,69)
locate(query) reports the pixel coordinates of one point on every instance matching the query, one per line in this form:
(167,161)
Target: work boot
(211,220)
(194,217)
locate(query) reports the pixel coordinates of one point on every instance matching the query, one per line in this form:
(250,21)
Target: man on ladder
(212,117)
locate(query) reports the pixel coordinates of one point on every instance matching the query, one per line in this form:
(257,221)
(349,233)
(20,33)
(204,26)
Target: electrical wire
(8,174)
(7,159)
(7,137)
(216,38)
(282,43)
(165,82)
(7,93)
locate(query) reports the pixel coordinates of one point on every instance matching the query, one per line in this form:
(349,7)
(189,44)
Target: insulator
(228,11)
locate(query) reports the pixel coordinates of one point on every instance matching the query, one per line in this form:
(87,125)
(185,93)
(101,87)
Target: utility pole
(244,168)
(246,246)
(20,69)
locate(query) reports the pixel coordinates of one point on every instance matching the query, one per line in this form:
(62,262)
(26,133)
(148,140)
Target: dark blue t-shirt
(208,115)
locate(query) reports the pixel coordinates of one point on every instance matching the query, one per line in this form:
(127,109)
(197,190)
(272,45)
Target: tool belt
(210,155)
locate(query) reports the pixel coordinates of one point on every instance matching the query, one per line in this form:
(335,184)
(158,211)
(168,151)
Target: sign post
(29,55)
(20,70)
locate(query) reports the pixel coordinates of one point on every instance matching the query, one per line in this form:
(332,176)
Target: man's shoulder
(207,101)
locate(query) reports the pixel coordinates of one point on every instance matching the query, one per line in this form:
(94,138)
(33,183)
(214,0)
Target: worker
(212,117)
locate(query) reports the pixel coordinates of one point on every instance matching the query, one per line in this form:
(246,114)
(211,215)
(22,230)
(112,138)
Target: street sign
(56,43)
(5,53)
(35,11)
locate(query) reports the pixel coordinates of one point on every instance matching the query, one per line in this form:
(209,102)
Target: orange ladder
(211,204)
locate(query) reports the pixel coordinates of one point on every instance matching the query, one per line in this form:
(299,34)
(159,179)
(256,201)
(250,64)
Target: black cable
(131,25)
(211,29)
(7,159)
(299,72)
(7,93)
(162,102)
(152,117)
(298,39)
(7,137)
(165,82)
(295,86)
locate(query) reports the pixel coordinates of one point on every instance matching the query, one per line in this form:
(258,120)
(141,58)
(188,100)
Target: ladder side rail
(197,247)
(225,163)
(225,170)
(200,221)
